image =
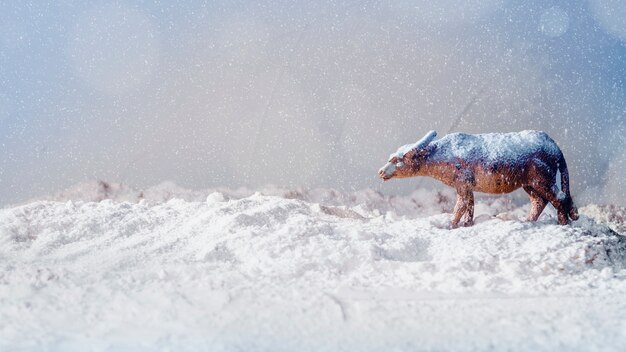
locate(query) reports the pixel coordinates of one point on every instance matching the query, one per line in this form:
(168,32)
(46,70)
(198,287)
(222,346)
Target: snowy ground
(111,268)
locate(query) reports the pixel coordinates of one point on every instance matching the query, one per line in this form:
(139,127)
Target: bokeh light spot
(554,22)
(611,16)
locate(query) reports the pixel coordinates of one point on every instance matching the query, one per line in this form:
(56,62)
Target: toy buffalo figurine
(489,163)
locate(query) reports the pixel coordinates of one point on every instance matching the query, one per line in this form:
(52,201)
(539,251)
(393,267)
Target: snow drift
(307,270)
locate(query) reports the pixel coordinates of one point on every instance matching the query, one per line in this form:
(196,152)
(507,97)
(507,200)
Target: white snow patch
(215,197)
(303,270)
(611,215)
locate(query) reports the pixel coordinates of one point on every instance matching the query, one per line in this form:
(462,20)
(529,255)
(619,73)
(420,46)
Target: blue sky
(300,93)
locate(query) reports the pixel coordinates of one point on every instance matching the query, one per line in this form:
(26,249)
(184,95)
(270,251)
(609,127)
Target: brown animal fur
(531,162)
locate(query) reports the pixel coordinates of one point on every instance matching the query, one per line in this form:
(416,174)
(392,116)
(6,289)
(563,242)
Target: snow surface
(306,270)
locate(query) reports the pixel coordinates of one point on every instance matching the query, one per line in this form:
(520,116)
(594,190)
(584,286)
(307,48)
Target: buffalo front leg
(468,218)
(464,206)
(537,203)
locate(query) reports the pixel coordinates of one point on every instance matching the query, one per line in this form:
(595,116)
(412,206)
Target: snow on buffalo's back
(266,272)
(495,147)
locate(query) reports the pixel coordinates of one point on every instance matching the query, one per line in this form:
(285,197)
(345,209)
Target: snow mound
(419,203)
(612,215)
(276,273)
(276,238)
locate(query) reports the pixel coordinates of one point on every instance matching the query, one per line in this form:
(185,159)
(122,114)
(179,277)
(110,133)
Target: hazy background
(302,93)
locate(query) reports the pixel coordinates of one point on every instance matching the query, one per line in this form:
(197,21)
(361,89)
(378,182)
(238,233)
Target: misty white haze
(313,94)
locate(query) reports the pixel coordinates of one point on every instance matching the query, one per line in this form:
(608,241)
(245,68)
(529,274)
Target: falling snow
(302,94)
(283,110)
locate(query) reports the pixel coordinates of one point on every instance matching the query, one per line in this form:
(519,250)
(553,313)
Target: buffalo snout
(387,171)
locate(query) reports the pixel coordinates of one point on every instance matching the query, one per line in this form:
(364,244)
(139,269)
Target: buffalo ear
(417,146)
(422,143)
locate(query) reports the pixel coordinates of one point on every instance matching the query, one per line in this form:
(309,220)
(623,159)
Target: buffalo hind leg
(537,203)
(550,194)
(464,206)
